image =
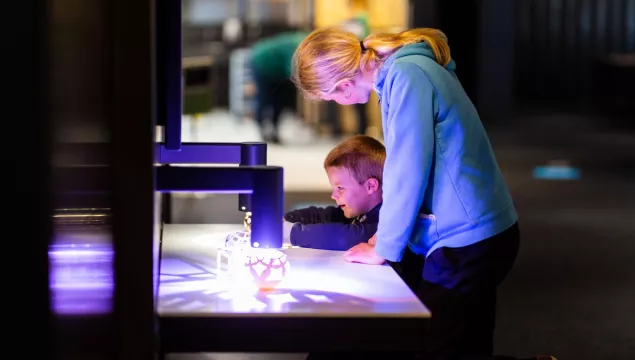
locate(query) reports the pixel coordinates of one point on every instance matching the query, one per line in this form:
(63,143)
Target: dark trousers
(272,95)
(459,288)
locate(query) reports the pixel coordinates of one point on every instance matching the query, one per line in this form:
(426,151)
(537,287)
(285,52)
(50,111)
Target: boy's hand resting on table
(373,240)
(364,253)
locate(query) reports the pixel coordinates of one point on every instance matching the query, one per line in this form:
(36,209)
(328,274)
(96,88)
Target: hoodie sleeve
(409,138)
(332,236)
(316,215)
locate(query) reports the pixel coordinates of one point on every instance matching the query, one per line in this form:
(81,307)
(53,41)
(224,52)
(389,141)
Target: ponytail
(327,56)
(381,46)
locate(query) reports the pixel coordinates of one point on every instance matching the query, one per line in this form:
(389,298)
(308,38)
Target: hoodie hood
(422,49)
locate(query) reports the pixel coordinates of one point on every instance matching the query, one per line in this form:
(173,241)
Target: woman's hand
(286,232)
(373,240)
(364,253)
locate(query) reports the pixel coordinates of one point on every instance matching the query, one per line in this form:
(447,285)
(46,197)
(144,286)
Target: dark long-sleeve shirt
(327,228)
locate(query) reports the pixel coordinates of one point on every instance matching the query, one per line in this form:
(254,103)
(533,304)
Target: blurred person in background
(271,70)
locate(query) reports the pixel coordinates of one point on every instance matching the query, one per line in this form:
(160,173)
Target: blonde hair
(363,156)
(328,56)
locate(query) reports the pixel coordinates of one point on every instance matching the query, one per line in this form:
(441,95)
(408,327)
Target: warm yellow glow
(393,18)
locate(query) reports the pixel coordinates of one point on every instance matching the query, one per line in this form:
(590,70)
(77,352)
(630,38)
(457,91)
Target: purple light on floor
(81,278)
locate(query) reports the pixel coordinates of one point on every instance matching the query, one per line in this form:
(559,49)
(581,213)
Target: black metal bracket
(263,183)
(242,154)
(169,72)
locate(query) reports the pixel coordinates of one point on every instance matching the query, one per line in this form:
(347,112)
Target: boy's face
(352,197)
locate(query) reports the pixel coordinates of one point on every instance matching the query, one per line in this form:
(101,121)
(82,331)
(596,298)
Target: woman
(444,196)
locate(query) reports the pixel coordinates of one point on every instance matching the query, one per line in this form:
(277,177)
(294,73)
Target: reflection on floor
(571,291)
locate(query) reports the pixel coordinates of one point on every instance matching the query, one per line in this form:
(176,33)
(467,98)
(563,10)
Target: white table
(322,299)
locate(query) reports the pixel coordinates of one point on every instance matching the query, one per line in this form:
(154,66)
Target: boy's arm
(331,236)
(316,215)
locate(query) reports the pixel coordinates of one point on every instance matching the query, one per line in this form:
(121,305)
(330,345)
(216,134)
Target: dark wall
(533,52)
(559,40)
(495,60)
(461,29)
(481,37)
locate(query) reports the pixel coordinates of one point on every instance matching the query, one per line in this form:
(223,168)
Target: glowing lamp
(266,267)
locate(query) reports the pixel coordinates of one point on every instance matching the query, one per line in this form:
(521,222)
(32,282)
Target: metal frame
(133,177)
(169,73)
(242,154)
(169,76)
(263,183)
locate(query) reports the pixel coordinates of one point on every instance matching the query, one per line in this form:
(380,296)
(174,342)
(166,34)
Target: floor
(572,290)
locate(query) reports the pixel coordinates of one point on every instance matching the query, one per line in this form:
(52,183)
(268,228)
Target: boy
(355,171)
(354,168)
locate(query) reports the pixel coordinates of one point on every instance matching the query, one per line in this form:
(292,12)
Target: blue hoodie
(442,186)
